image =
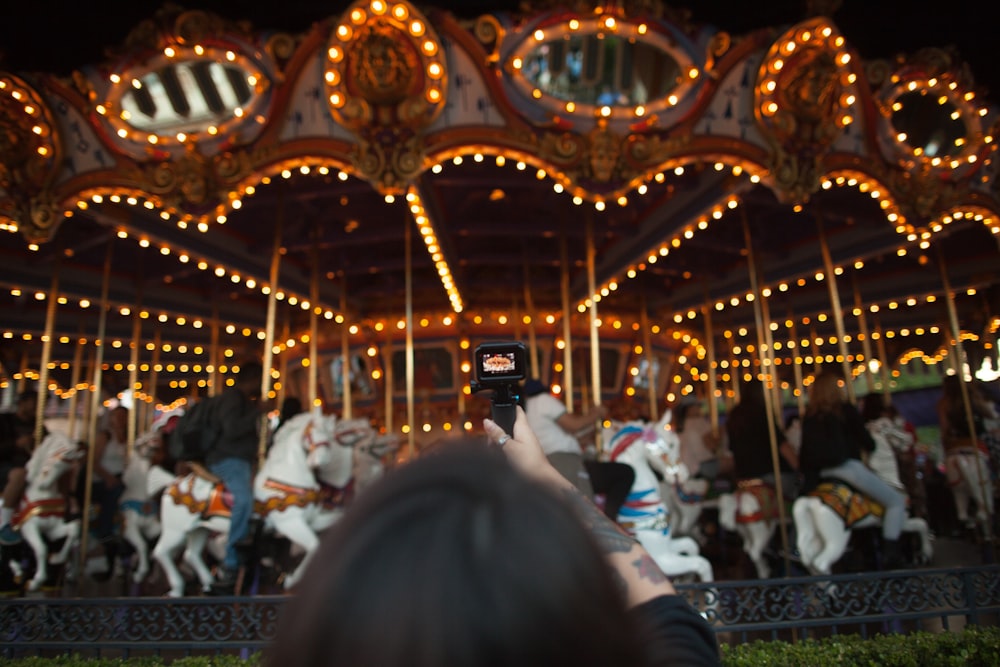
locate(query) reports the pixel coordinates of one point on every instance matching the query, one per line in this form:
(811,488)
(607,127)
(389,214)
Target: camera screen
(500,363)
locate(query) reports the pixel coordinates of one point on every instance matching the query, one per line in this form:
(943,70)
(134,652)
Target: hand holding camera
(500,367)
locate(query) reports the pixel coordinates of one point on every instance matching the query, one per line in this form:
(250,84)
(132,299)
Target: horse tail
(805,520)
(727,511)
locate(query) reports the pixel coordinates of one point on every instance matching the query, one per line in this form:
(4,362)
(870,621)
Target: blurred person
(833,439)
(237,416)
(480,554)
(606,481)
(700,446)
(954,421)
(749,437)
(110,454)
(560,432)
(17,441)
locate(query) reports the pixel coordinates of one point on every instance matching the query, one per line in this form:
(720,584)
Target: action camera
(500,367)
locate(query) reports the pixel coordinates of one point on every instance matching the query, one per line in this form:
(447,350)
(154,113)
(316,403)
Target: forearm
(638,573)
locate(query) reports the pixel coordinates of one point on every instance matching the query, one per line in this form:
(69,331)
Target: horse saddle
(141,507)
(766,497)
(288,496)
(847,502)
(218,504)
(40,508)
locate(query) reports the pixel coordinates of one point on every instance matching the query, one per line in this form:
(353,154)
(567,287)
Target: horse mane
(292,428)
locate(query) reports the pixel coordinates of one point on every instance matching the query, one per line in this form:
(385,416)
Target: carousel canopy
(215,178)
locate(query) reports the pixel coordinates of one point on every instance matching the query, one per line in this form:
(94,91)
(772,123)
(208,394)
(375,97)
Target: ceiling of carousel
(505,186)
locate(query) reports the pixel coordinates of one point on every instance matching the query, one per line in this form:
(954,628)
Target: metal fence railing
(739,611)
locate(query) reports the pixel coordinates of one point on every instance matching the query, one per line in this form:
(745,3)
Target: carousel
(655,207)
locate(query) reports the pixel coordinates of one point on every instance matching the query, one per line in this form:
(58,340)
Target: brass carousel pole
(411,416)
(272,308)
(75,382)
(761,324)
(286,332)
(838,312)
(595,342)
(214,375)
(864,334)
(95,404)
(133,378)
(43,368)
(883,360)
(529,307)
(800,394)
(389,379)
(647,345)
(567,326)
(817,353)
(956,332)
(345,354)
(154,364)
(313,329)
(771,361)
(713,404)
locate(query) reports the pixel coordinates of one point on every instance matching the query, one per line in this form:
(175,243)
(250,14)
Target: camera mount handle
(503,403)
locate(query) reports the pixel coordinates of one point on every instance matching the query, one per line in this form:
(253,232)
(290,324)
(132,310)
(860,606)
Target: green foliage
(975,646)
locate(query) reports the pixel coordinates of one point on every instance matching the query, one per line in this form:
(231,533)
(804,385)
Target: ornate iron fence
(739,611)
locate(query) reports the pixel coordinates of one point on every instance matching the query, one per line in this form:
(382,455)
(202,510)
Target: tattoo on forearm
(648,569)
(611,537)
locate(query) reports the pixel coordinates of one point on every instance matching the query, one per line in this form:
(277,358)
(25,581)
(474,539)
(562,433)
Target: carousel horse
(751,511)
(644,514)
(288,495)
(42,514)
(143,479)
(968,473)
(683,494)
(339,483)
(193,507)
(825,517)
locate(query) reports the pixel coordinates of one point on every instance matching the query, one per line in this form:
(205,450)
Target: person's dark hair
(681,415)
(752,391)
(825,394)
(872,407)
(249,377)
(290,407)
(456,559)
(534,387)
(27,395)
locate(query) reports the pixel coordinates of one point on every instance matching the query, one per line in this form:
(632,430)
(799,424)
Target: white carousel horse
(42,514)
(683,495)
(643,514)
(289,496)
(193,507)
(340,481)
(825,517)
(968,473)
(142,480)
(751,511)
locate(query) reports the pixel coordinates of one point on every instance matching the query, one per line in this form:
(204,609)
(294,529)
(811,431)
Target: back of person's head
(872,407)
(27,402)
(534,387)
(752,391)
(290,407)
(825,394)
(456,559)
(682,412)
(250,376)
